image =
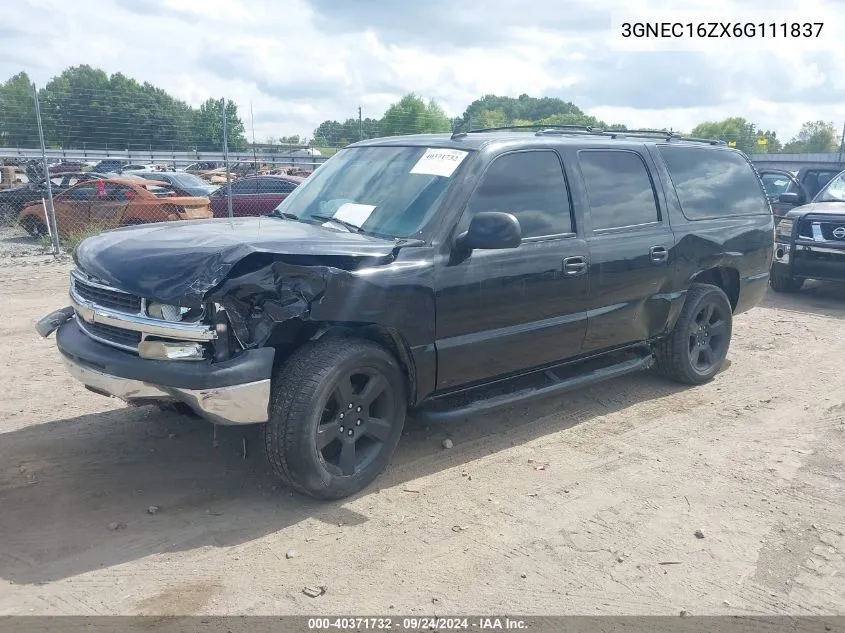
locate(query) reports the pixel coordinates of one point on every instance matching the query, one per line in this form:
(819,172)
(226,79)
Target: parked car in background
(66,166)
(12,201)
(253,195)
(201,167)
(139,167)
(109,203)
(783,190)
(813,179)
(110,164)
(810,240)
(189,183)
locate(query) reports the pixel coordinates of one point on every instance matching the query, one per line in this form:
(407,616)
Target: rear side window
(619,189)
(714,183)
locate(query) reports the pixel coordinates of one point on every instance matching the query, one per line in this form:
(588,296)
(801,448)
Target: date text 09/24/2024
(677,30)
(417,624)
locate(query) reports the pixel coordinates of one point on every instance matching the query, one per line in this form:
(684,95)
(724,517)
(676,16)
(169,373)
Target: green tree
(336,134)
(84,107)
(18,124)
(412,115)
(814,137)
(737,132)
(209,126)
(507,110)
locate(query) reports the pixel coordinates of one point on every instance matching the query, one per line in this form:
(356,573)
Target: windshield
(386,191)
(834,191)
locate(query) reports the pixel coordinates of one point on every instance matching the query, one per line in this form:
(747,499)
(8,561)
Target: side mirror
(489,230)
(789,198)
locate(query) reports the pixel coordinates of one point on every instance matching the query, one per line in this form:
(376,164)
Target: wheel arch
(723,277)
(288,338)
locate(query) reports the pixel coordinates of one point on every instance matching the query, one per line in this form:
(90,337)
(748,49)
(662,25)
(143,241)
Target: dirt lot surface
(583,504)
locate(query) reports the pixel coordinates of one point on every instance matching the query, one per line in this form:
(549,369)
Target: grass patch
(70,239)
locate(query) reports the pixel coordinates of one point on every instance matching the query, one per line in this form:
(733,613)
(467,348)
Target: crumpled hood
(832,208)
(179,262)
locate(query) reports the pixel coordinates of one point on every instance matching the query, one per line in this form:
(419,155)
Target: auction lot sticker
(439,162)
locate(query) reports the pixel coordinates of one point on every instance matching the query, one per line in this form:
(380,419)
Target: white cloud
(303,61)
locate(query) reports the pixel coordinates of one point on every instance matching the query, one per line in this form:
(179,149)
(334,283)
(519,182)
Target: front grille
(119,337)
(829,227)
(821,229)
(107,297)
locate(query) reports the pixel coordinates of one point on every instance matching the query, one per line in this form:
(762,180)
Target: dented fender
(274,276)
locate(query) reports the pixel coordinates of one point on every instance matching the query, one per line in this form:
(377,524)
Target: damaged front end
(206,325)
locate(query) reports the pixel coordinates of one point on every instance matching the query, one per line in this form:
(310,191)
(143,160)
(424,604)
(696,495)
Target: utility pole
(360,125)
(226,160)
(252,123)
(842,145)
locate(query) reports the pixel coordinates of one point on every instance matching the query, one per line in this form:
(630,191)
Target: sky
(300,62)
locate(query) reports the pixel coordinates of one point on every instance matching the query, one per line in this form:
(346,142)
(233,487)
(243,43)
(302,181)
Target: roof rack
(665,134)
(586,129)
(545,128)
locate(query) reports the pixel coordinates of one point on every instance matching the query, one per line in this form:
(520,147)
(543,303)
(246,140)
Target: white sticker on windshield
(439,162)
(357,214)
(781,183)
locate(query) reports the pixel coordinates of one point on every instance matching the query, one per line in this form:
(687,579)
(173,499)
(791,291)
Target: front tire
(785,285)
(697,346)
(337,411)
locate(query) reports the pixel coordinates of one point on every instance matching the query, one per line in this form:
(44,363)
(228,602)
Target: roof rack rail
(644,132)
(570,129)
(709,141)
(668,135)
(545,127)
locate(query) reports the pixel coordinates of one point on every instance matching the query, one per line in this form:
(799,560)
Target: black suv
(810,240)
(441,275)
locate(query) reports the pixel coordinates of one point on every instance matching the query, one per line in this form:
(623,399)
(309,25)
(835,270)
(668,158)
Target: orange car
(109,203)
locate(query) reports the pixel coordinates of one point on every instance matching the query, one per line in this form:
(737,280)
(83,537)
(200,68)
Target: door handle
(658,254)
(574,266)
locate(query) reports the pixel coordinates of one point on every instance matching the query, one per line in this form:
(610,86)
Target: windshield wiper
(275,213)
(353,228)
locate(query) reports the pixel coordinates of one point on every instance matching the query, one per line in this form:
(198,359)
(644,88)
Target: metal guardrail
(291,158)
(796,161)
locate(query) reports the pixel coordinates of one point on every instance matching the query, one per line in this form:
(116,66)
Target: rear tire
(785,285)
(337,411)
(697,346)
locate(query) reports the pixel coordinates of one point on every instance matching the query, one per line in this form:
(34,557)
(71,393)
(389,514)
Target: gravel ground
(16,247)
(636,497)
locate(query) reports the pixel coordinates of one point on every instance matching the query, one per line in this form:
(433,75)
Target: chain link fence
(75,162)
(79,157)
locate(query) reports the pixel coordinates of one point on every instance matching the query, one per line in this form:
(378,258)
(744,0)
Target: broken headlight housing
(173,313)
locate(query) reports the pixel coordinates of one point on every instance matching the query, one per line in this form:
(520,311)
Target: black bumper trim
(249,366)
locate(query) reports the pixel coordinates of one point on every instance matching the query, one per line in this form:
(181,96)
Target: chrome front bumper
(233,392)
(237,404)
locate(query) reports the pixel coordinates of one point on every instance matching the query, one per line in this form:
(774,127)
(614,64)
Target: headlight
(167,312)
(162,350)
(784,228)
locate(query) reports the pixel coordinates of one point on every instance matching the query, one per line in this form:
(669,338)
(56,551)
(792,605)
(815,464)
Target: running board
(432,413)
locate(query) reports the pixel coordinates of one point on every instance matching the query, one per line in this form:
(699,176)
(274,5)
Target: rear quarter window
(714,183)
